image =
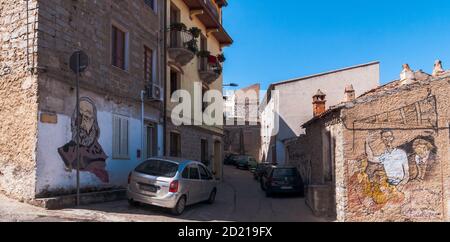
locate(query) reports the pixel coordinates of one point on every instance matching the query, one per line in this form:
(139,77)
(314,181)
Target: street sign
(81,66)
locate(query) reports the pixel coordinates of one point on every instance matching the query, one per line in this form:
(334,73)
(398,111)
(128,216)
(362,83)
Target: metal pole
(78,120)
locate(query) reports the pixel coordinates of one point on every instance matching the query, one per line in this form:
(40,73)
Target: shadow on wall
(285,132)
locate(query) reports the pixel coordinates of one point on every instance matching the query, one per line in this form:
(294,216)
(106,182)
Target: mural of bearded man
(93,158)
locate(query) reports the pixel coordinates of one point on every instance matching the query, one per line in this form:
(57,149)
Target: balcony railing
(182,46)
(210,68)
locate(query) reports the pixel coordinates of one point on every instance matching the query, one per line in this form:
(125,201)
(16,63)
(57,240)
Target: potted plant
(221,58)
(195,32)
(192,45)
(178,27)
(204,53)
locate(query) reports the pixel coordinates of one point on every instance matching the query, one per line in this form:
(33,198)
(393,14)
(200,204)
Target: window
(148,65)
(119,48)
(204,104)
(204,152)
(185,174)
(174,82)
(204,174)
(151,140)
(175,145)
(193,173)
(158,168)
(203,47)
(120,138)
(150,3)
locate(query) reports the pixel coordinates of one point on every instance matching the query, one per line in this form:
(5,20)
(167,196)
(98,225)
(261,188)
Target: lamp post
(79,61)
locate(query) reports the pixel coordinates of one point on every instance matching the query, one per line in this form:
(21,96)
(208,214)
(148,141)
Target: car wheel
(180,207)
(133,203)
(212,197)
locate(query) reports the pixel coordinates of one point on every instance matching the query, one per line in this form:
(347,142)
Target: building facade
(242,124)
(121,105)
(288,104)
(195,42)
(383,156)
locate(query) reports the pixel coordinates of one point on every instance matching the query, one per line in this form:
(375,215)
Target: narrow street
(240,199)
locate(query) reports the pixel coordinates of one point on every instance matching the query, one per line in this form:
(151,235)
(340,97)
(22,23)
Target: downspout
(142,124)
(164,51)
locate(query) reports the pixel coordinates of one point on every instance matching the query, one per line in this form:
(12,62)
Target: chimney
(350,94)
(438,69)
(319,103)
(407,75)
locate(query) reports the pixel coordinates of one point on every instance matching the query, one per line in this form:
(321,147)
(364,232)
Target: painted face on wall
(422,148)
(388,139)
(87,116)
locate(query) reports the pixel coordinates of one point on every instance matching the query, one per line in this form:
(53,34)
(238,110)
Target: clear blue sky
(284,39)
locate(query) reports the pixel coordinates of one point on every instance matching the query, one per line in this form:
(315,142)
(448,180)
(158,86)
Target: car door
(207,182)
(195,184)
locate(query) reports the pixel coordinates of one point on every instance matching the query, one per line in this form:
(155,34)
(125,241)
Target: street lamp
(231,85)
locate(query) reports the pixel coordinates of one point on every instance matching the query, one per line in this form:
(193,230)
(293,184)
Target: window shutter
(116,136)
(124,139)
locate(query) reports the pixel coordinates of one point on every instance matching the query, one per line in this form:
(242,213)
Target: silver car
(171,183)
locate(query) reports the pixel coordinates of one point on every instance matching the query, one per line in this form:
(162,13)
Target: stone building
(196,39)
(288,104)
(121,93)
(242,127)
(383,156)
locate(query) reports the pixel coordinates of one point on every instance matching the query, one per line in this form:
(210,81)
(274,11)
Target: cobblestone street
(240,200)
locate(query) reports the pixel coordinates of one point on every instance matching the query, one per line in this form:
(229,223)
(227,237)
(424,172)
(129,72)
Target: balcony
(182,46)
(208,13)
(209,69)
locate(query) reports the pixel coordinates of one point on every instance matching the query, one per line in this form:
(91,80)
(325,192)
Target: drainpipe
(142,123)
(164,51)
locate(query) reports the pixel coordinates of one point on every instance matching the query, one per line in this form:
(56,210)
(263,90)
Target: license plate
(148,188)
(286,188)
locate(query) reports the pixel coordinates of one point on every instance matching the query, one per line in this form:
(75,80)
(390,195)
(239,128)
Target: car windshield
(285,172)
(158,168)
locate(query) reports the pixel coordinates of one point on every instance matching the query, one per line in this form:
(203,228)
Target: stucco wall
(18,100)
(295,98)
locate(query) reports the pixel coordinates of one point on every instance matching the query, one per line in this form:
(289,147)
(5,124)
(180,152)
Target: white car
(171,183)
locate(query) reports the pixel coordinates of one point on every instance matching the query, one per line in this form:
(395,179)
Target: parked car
(282,180)
(246,162)
(261,168)
(230,160)
(171,183)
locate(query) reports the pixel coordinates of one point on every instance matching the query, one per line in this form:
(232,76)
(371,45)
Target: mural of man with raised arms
(394,160)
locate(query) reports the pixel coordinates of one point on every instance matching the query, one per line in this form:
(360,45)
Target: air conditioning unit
(154,93)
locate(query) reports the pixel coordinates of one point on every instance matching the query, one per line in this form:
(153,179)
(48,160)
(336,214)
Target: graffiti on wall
(398,171)
(93,158)
(421,114)
(399,179)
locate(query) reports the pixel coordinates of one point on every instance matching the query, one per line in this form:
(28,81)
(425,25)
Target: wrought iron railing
(210,64)
(182,39)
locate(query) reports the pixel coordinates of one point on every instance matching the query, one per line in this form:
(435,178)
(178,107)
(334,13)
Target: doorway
(218,159)
(151,140)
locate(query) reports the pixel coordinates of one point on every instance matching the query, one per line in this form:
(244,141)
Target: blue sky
(284,39)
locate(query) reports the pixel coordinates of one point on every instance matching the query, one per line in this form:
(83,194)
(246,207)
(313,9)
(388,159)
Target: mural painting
(93,158)
(398,172)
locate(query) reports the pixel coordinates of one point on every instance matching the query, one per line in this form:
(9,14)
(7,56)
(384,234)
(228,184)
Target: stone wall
(18,99)
(67,26)
(191,137)
(396,155)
